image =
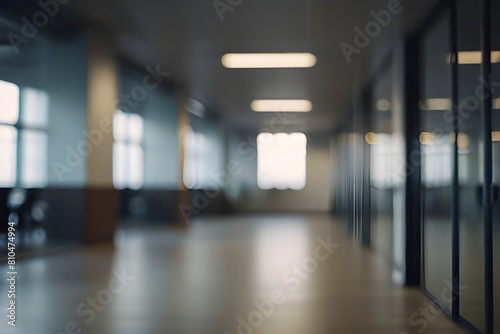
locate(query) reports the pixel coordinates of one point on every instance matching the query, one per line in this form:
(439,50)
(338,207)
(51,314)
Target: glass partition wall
(460,161)
(495,158)
(470,166)
(437,158)
(381,156)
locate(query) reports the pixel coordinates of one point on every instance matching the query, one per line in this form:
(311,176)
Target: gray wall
(66,77)
(160,112)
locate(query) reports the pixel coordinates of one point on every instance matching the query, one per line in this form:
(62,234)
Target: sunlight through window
(196,155)
(281,161)
(9,99)
(128,153)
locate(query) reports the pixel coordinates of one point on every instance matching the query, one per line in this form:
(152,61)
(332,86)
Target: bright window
(25,128)
(35,111)
(436,160)
(196,154)
(281,161)
(383,160)
(128,152)
(34,158)
(9,102)
(8,147)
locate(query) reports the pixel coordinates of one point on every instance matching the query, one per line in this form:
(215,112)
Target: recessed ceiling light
(268,60)
(474,57)
(281,105)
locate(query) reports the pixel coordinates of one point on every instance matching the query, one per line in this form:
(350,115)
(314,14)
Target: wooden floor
(210,279)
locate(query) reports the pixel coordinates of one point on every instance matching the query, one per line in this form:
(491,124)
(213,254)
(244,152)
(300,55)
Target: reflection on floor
(242,274)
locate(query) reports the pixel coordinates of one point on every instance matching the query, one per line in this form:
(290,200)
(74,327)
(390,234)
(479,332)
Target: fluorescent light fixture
(281,105)
(268,60)
(474,57)
(383,105)
(495,136)
(435,104)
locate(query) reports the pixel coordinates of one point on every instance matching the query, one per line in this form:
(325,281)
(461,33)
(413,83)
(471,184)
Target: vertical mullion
(413,234)
(486,126)
(367,207)
(455,307)
(19,141)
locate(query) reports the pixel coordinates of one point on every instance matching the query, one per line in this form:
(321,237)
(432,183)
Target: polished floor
(294,274)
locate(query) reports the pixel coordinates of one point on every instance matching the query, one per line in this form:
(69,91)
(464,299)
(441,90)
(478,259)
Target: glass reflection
(495,126)
(470,165)
(383,166)
(436,159)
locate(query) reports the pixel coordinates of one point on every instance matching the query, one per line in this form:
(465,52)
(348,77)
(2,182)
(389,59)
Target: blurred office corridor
(237,166)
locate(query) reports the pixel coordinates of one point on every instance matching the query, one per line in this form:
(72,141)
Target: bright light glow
(383,105)
(474,57)
(371,138)
(120,123)
(435,104)
(128,153)
(34,158)
(196,155)
(268,60)
(120,161)
(436,160)
(8,146)
(496,103)
(281,105)
(495,136)
(383,157)
(35,104)
(463,142)
(9,102)
(426,138)
(136,166)
(135,128)
(281,161)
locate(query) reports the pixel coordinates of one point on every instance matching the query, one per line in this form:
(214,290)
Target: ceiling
(188,38)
